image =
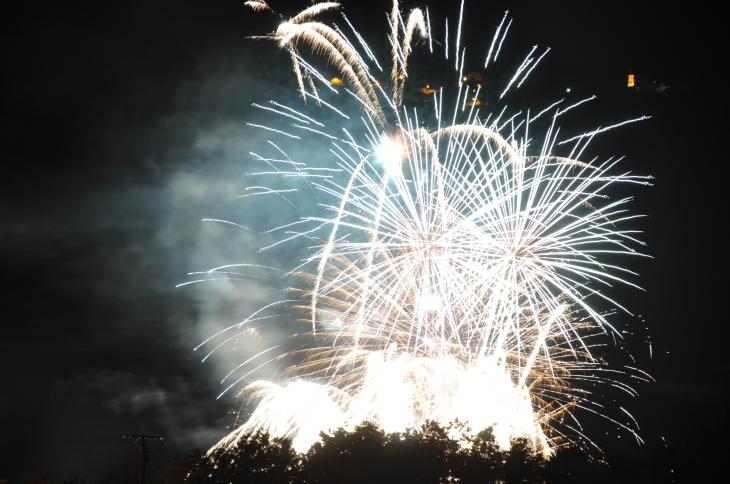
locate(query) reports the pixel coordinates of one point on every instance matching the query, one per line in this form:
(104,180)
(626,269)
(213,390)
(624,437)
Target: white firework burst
(452,273)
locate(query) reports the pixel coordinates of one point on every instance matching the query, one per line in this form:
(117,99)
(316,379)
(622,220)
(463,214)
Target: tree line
(437,454)
(426,455)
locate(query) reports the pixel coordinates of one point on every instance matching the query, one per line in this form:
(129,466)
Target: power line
(141,441)
(159,455)
(158,473)
(168,449)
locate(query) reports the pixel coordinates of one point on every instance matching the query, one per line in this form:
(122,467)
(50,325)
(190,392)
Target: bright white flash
(390,153)
(431,302)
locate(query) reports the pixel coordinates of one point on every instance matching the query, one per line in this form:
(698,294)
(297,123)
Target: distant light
(336,81)
(567,89)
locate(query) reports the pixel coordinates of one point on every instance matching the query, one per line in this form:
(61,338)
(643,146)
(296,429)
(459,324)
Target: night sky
(124,126)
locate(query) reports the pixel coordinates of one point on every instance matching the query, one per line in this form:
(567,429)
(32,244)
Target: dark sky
(124,126)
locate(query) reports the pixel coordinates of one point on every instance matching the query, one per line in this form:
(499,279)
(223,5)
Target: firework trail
(452,270)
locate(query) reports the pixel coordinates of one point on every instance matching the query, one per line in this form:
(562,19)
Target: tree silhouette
(182,468)
(436,454)
(483,461)
(425,455)
(359,456)
(522,464)
(257,459)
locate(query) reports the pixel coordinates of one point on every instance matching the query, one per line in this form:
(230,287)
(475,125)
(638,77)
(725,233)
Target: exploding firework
(453,258)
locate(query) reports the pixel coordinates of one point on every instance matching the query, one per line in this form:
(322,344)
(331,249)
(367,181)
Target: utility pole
(141,441)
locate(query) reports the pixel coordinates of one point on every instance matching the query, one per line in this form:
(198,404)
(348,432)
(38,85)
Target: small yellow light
(336,81)
(463,78)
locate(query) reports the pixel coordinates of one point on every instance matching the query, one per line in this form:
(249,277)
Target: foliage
(180,468)
(256,458)
(436,454)
(429,454)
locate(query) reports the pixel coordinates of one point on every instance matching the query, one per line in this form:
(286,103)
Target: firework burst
(451,269)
